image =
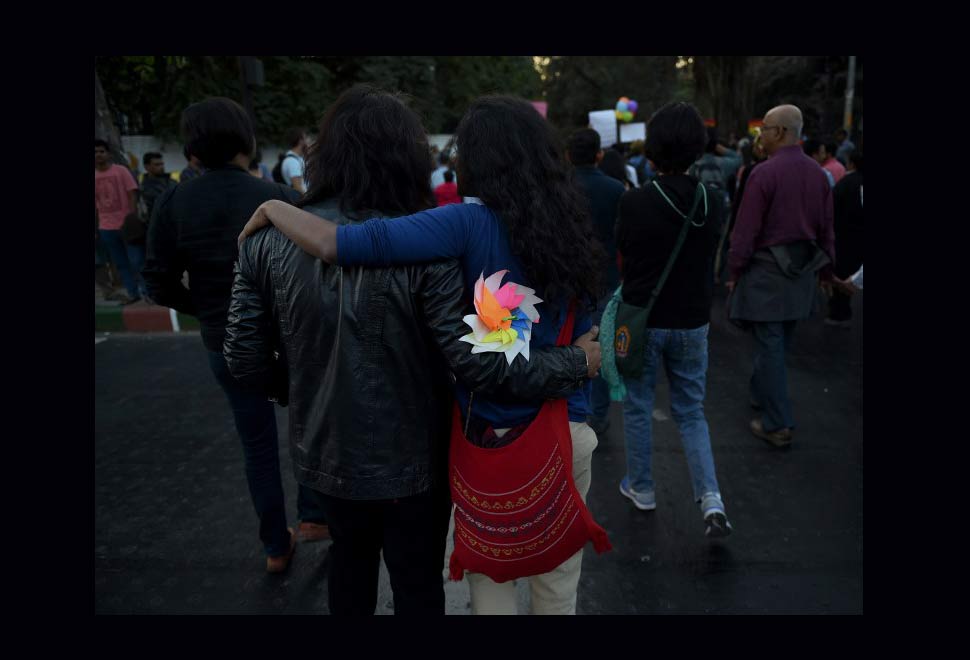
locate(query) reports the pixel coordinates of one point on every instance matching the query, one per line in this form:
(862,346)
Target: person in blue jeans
(255,419)
(649,223)
(115,196)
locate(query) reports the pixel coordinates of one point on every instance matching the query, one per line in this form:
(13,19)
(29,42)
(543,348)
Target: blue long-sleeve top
(476,236)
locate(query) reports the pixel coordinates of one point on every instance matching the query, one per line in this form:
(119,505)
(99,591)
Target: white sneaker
(716,524)
(643,501)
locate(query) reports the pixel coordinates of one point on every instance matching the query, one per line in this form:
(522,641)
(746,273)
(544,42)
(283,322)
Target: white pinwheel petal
(525,350)
(517,347)
(494,281)
(479,329)
(482,347)
(529,310)
(487,348)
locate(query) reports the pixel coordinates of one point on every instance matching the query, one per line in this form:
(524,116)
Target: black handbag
(134,231)
(630,335)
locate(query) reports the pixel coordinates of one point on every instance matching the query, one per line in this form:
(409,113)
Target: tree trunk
(104,126)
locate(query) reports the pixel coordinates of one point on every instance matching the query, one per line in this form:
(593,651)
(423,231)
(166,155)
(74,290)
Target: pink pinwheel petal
(507,297)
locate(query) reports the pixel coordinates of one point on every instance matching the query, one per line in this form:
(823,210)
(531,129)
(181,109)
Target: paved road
(175,532)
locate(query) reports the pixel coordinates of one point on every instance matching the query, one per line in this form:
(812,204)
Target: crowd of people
(469,326)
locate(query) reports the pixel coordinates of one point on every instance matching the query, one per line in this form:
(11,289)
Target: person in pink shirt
(447,192)
(114,198)
(823,154)
(830,163)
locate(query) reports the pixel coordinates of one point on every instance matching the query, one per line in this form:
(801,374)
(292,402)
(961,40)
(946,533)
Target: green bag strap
(700,194)
(608,370)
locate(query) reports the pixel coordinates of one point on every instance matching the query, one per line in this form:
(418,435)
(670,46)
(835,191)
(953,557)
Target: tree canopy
(146,94)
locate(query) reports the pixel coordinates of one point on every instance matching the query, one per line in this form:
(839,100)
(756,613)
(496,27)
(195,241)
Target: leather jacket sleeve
(550,373)
(248,347)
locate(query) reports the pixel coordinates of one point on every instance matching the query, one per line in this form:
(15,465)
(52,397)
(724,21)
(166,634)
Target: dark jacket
(603,193)
(847,203)
(780,284)
(194,228)
(369,352)
(152,188)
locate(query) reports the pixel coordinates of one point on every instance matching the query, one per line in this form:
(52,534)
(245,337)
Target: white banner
(604,123)
(631,132)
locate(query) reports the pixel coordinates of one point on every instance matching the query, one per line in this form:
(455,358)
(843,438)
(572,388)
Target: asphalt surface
(175,531)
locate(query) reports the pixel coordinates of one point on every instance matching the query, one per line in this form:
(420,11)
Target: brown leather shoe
(311,531)
(281,563)
(781,438)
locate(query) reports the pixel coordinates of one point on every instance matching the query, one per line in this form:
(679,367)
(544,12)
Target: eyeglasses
(766,127)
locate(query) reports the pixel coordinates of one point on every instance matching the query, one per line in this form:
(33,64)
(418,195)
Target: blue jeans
(256,424)
(600,399)
(769,381)
(129,260)
(684,354)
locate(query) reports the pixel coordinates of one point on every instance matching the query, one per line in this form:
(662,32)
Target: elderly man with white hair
(783,241)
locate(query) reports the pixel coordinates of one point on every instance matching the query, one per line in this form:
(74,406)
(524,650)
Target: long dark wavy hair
(511,159)
(372,154)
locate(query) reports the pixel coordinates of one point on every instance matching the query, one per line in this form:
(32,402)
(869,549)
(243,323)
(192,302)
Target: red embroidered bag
(517,510)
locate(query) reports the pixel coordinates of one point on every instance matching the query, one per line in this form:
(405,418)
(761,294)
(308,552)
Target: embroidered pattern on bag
(519,550)
(495,506)
(515,529)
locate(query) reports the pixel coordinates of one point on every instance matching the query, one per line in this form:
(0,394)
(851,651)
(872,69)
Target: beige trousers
(553,592)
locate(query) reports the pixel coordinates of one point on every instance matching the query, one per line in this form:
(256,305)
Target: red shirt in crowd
(835,167)
(447,193)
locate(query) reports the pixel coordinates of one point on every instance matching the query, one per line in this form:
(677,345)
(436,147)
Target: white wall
(439,140)
(139,145)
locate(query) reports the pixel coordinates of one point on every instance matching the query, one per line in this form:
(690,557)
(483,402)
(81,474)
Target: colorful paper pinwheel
(503,323)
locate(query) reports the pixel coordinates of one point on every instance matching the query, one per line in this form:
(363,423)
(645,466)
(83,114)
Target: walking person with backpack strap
(289,169)
(715,169)
(666,235)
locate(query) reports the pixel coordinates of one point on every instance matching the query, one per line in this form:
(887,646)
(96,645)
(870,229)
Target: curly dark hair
(511,159)
(372,154)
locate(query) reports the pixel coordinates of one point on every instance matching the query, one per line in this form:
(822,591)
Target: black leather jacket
(369,353)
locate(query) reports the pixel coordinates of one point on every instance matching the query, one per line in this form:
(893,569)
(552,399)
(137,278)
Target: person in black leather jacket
(370,354)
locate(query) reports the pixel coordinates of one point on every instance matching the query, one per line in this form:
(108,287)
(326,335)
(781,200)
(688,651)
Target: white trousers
(553,592)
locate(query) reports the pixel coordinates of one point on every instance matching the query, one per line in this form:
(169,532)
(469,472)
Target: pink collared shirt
(111,195)
(835,167)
